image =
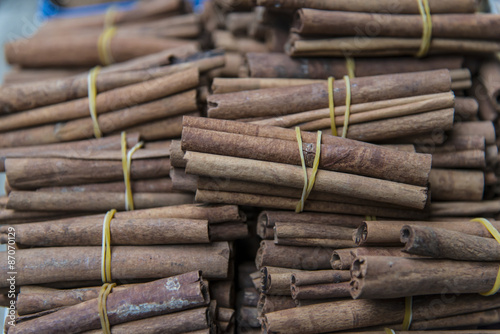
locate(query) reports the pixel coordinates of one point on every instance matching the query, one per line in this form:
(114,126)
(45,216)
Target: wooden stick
(388,232)
(332,182)
(46,265)
(90,201)
(442,243)
(269,102)
(123,232)
(392,277)
(83,317)
(406,162)
(403,7)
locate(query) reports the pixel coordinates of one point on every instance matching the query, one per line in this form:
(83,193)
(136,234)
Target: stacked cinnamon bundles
(383,107)
(142,96)
(146,245)
(241,162)
(177,304)
(149,27)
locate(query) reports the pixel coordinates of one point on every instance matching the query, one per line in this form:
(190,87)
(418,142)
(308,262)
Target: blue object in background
(47,9)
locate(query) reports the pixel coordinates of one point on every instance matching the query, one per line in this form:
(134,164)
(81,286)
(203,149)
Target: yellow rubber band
(332,106)
(494,232)
(425,12)
(308,182)
(300,205)
(351,67)
(104,46)
(347,113)
(106,247)
(389,331)
(110,17)
(370,218)
(92,93)
(408,313)
(126,163)
(101,305)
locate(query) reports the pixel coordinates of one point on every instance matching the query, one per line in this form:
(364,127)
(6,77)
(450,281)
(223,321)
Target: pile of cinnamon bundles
(59,268)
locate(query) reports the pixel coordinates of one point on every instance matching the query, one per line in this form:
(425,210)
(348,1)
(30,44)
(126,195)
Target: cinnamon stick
(313,235)
(46,265)
(443,243)
(456,185)
(465,209)
(392,277)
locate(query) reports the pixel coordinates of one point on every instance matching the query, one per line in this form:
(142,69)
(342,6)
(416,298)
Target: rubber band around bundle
(110,17)
(347,113)
(106,247)
(408,313)
(331,104)
(308,182)
(126,163)
(389,331)
(425,12)
(92,95)
(104,46)
(494,232)
(102,307)
(370,218)
(350,63)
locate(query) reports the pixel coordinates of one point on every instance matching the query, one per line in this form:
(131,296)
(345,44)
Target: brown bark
(321,291)
(46,265)
(163,185)
(48,50)
(307,258)
(269,102)
(230,85)
(443,243)
(455,144)
(183,181)
(175,323)
(228,231)
(490,74)
(388,232)
(182,292)
(177,154)
(465,209)
(105,144)
(227,41)
(351,314)
(383,46)
(319,235)
(123,232)
(343,258)
(461,159)
(283,203)
(269,303)
(326,181)
(456,185)
(338,23)
(481,128)
(167,128)
(403,7)
(222,292)
(276,280)
(412,168)
(90,201)
(115,99)
(376,277)
(279,65)
(269,218)
(32,173)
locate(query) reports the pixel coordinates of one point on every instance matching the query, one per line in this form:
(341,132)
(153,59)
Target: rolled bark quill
(49,92)
(388,232)
(342,258)
(380,277)
(403,7)
(283,174)
(268,102)
(115,99)
(313,235)
(279,65)
(46,265)
(320,284)
(465,209)
(351,314)
(456,185)
(106,143)
(161,185)
(490,74)
(443,243)
(270,303)
(122,306)
(124,232)
(276,280)
(305,258)
(83,167)
(416,167)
